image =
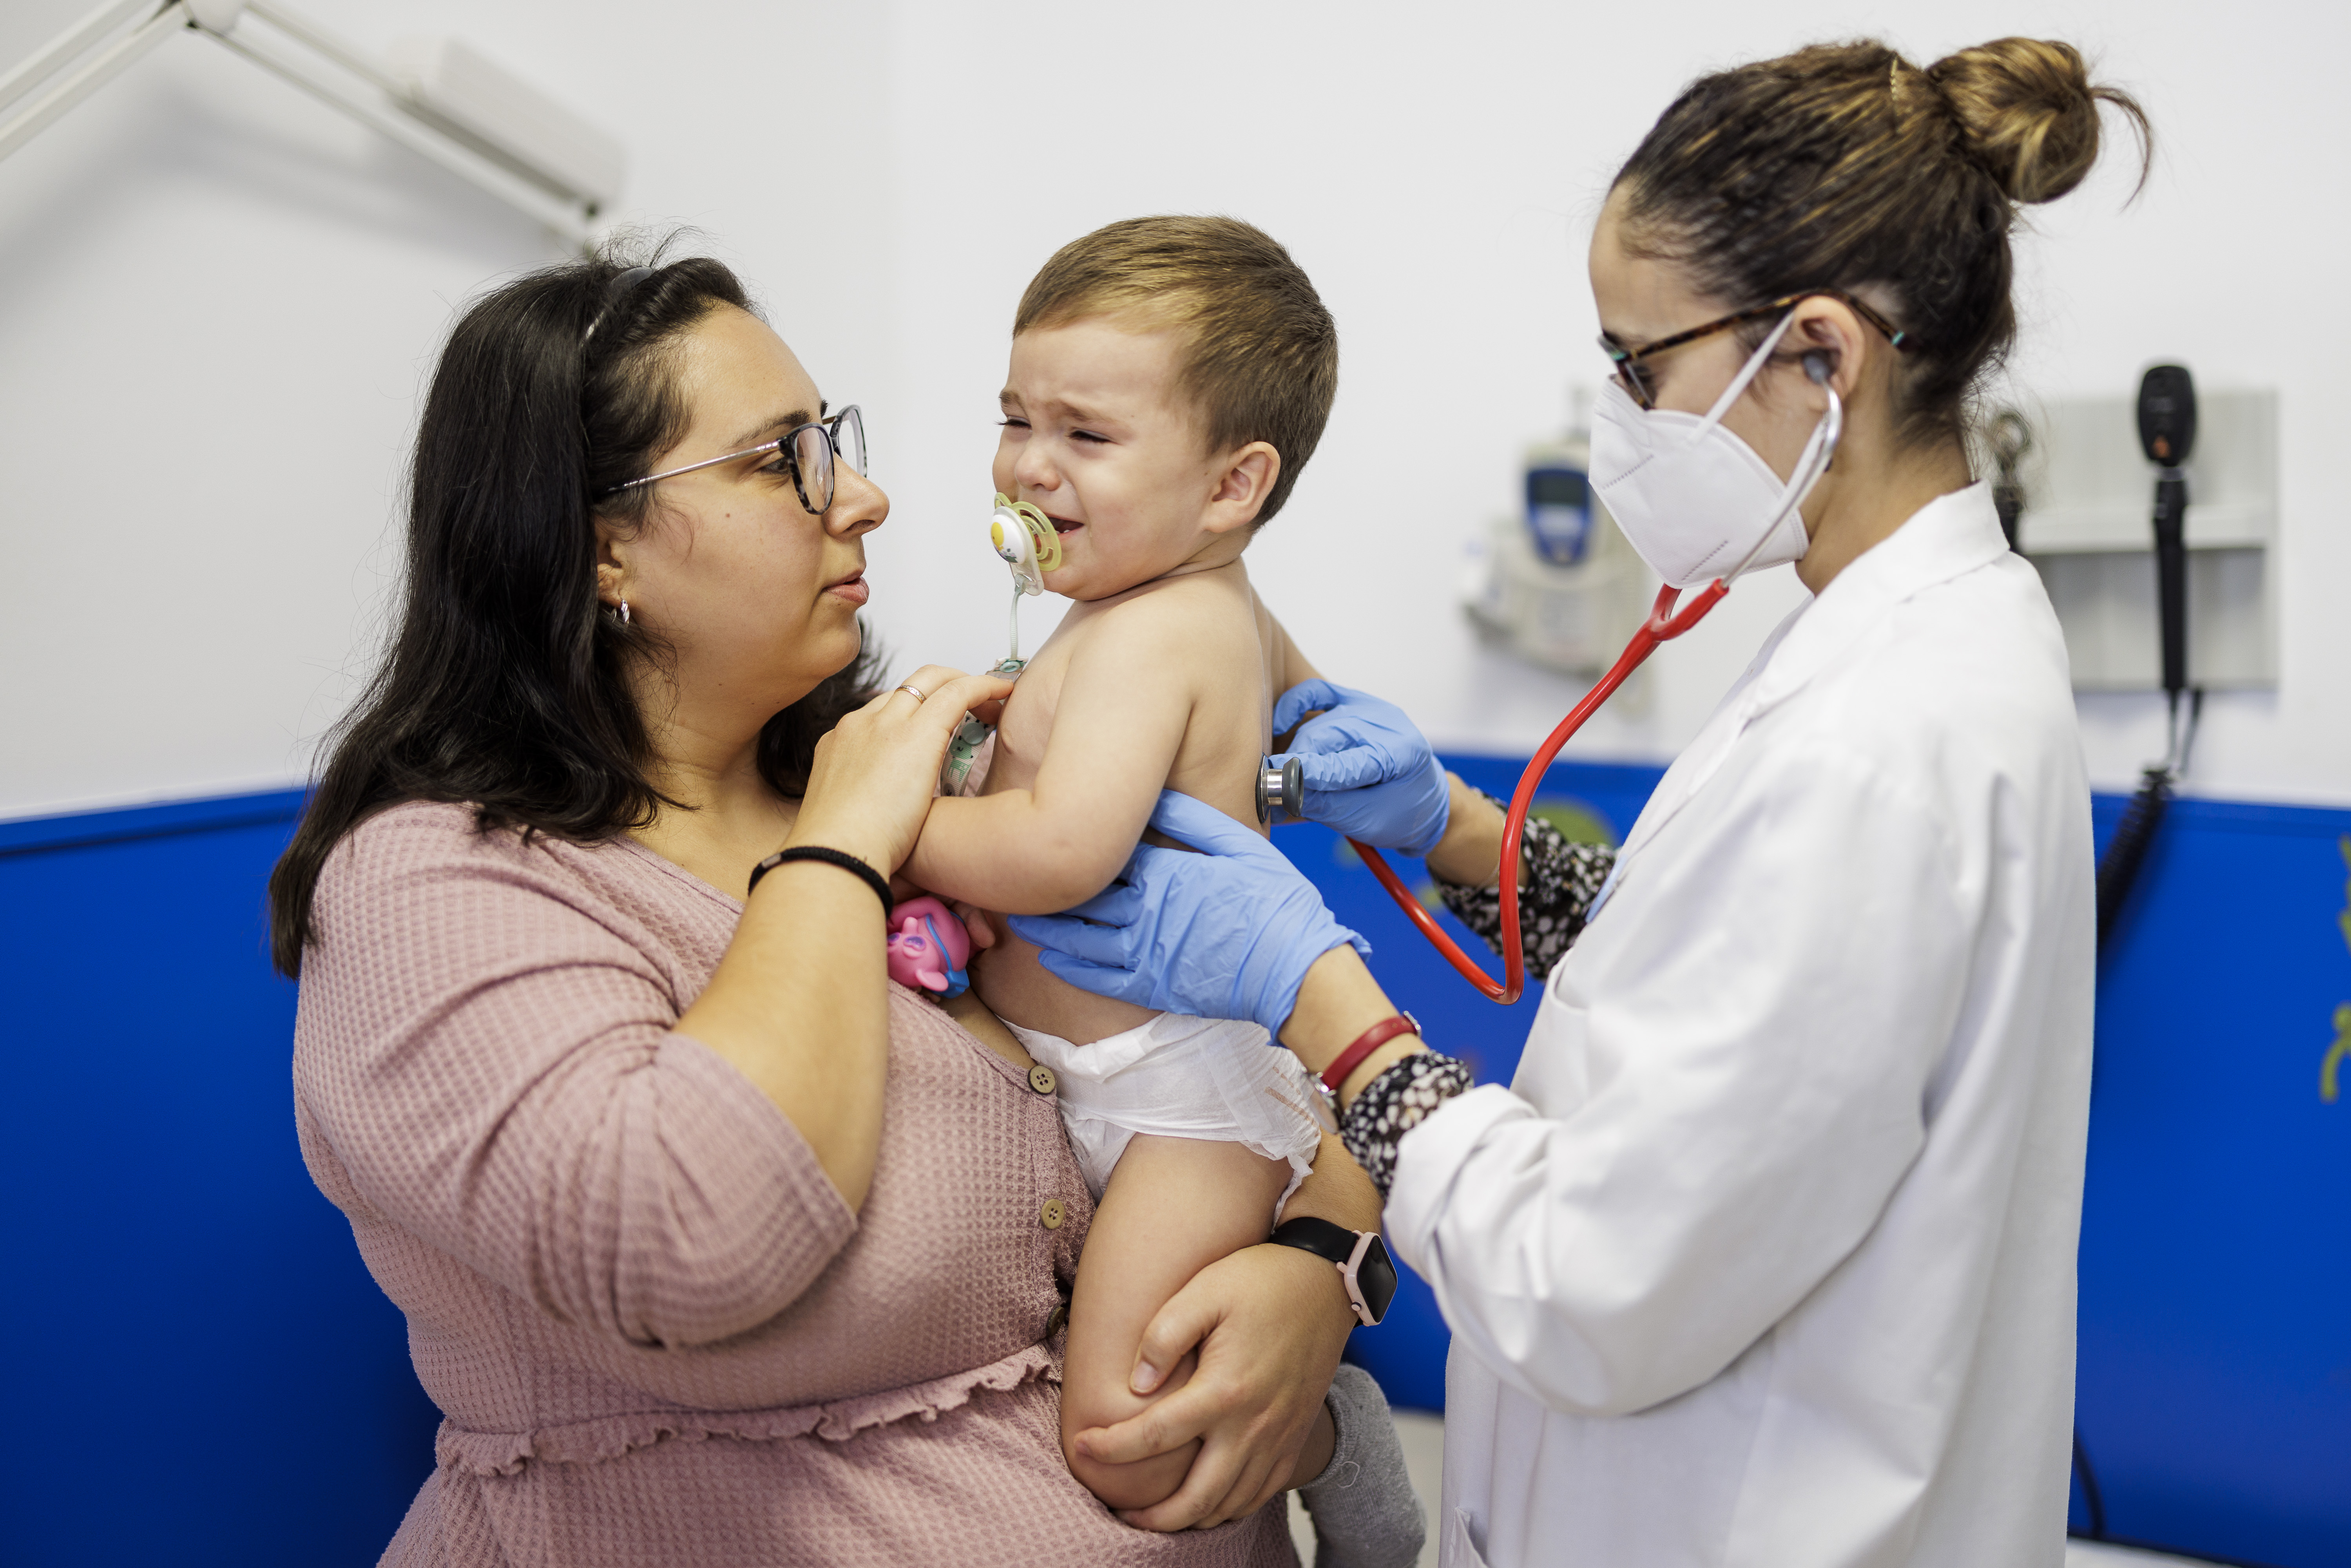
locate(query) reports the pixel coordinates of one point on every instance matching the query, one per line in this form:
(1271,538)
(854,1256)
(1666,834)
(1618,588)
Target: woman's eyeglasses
(1639,377)
(807,450)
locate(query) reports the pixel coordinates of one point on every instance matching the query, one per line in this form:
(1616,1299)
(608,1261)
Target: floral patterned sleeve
(1557,883)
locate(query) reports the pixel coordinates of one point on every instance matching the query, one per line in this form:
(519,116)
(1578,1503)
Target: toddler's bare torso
(1239,652)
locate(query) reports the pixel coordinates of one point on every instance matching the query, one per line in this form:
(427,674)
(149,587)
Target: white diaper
(1181,1078)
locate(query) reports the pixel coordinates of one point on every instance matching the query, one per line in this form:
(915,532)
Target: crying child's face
(1097,435)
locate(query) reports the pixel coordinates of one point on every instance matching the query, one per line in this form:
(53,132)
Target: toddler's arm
(1294,666)
(1116,730)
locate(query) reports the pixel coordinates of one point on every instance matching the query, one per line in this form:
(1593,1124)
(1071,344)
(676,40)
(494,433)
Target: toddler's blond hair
(1261,363)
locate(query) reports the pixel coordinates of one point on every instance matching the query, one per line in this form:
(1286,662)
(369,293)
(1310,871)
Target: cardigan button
(1041,1079)
(1059,1320)
(1053,1213)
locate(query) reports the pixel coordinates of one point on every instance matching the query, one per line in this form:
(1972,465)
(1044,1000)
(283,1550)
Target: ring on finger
(910,686)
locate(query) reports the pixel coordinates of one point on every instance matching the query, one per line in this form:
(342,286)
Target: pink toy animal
(929,947)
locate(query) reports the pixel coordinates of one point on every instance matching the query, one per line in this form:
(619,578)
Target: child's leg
(1173,1207)
(1363,1506)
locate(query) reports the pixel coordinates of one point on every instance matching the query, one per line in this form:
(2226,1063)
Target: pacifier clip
(1025,540)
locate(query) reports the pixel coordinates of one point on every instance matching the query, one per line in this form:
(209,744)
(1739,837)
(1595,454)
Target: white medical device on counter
(1557,584)
(439,99)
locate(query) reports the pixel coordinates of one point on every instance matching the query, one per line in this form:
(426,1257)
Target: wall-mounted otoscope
(2167,433)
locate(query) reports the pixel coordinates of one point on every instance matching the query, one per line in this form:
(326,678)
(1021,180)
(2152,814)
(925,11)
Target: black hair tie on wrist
(845,860)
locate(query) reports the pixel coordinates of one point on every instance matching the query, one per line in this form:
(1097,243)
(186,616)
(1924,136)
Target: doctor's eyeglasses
(806,450)
(1639,379)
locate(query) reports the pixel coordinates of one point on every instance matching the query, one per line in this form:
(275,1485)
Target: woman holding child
(717,1247)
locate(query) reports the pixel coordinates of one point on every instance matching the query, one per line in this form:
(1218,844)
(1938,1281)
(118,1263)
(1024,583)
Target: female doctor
(1766,1256)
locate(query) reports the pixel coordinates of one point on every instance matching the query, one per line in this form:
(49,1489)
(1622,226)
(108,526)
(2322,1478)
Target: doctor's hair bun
(2029,113)
(1844,166)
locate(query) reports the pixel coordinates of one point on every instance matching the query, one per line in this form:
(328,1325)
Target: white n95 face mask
(1695,501)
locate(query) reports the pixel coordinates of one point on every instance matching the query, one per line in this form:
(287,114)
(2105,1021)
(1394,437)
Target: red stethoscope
(1663,625)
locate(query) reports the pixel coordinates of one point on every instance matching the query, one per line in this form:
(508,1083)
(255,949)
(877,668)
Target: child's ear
(1248,479)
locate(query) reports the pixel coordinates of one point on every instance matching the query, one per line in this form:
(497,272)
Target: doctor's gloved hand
(1227,933)
(1369,773)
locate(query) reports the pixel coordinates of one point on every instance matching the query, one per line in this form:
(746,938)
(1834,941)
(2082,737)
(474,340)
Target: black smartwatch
(1359,1256)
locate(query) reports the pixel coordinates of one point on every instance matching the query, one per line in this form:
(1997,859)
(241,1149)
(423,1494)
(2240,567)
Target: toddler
(1169,379)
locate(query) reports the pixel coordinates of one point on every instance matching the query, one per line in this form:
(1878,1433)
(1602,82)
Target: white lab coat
(1766,1257)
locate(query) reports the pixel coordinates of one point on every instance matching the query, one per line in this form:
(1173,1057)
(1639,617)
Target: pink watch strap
(1349,1275)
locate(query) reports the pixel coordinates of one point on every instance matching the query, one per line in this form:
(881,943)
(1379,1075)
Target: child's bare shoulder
(1200,617)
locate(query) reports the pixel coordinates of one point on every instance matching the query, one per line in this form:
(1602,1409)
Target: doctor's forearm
(1470,853)
(1558,880)
(1337,1001)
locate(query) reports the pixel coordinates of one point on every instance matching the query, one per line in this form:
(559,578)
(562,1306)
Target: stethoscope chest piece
(1282,788)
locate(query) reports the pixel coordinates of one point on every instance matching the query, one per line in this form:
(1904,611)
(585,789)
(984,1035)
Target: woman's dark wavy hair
(504,685)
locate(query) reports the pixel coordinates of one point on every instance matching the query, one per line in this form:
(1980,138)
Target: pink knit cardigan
(656,1333)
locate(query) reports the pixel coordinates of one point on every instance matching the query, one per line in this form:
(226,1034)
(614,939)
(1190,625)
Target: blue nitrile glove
(1229,934)
(1368,772)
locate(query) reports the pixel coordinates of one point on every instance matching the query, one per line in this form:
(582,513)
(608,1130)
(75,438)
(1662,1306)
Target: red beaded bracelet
(1370,1040)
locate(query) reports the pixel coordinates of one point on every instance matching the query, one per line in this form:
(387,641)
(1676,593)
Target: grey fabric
(1364,1511)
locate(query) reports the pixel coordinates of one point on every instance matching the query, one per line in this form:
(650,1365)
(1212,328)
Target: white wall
(220,303)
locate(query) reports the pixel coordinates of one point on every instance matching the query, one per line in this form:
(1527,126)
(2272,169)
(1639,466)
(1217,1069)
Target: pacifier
(1026,541)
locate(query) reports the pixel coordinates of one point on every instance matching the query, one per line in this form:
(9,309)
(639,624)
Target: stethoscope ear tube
(1800,485)
(1663,625)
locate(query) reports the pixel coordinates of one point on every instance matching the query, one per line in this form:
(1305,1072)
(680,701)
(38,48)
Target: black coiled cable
(2118,867)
